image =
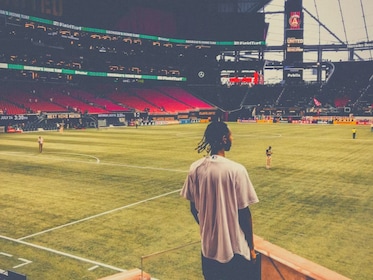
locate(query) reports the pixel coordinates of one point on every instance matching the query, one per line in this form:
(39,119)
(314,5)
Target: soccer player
(41,142)
(220,192)
(353,133)
(269,157)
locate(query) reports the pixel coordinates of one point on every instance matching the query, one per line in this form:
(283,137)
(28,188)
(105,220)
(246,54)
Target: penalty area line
(62,253)
(98,215)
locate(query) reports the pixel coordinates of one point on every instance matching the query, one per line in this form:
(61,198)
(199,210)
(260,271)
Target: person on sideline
(41,142)
(269,157)
(220,192)
(353,133)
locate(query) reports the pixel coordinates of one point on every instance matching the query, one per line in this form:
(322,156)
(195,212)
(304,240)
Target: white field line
(98,215)
(20,240)
(93,267)
(25,262)
(62,253)
(96,162)
(75,154)
(24,155)
(144,167)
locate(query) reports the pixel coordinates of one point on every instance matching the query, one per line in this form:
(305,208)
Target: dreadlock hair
(212,139)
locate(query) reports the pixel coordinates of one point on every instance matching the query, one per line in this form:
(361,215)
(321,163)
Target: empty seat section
(131,100)
(186,97)
(164,102)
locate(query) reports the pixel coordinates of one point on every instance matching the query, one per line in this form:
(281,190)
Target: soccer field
(96,201)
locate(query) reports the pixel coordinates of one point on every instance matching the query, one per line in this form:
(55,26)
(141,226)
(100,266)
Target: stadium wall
(277,263)
(313,120)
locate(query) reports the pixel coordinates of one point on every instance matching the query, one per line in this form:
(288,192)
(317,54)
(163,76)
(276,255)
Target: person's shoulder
(233,164)
(197,163)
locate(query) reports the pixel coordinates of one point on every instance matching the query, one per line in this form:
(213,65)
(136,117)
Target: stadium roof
(325,22)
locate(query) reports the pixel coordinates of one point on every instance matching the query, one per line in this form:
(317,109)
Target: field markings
(62,253)
(95,263)
(97,161)
(98,215)
(20,154)
(93,267)
(143,167)
(24,261)
(75,154)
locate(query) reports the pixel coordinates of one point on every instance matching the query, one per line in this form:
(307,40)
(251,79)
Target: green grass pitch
(96,201)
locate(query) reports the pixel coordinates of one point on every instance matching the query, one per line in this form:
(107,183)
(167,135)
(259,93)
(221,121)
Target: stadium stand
(186,97)
(31,101)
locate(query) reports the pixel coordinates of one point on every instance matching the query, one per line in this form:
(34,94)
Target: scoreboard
(294,42)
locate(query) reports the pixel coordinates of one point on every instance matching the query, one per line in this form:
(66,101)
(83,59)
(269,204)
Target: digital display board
(294,41)
(243,78)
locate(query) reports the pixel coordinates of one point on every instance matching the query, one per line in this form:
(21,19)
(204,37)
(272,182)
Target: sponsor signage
(294,40)
(295,74)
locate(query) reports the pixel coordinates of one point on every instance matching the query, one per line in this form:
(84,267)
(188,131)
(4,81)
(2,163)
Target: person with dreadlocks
(220,192)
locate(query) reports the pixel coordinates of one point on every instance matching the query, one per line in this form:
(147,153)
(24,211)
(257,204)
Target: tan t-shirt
(219,187)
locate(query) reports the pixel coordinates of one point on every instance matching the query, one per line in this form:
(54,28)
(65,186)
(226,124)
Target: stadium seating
(133,101)
(66,100)
(186,97)
(32,102)
(165,103)
(90,98)
(8,108)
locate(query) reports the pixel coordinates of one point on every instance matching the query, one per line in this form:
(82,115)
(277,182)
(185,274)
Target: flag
(317,102)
